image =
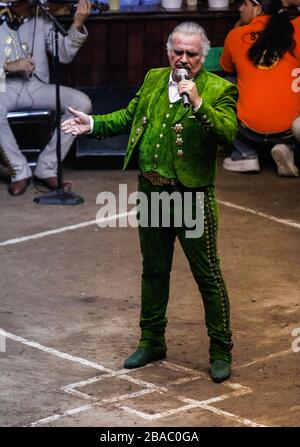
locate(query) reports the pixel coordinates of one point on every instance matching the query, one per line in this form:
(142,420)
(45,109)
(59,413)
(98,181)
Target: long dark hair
(276,39)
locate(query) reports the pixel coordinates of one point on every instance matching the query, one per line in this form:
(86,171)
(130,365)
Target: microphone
(183,74)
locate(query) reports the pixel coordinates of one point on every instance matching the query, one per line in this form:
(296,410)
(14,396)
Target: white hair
(190,28)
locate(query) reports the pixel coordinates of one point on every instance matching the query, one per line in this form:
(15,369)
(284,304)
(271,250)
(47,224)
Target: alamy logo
(176,209)
(2,342)
(296,342)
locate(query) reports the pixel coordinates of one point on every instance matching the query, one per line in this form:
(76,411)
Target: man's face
(248,10)
(186,53)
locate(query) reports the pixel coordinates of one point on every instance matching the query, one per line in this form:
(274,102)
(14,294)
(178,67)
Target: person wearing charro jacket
(177,152)
(24,44)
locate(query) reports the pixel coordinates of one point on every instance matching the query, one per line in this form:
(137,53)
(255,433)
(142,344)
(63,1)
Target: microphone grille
(182,73)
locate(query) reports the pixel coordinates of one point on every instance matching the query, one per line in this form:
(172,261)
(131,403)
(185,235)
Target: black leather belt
(158,180)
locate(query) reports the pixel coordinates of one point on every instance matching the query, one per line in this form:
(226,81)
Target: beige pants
(28,95)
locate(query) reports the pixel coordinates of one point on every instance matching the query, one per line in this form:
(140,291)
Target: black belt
(158,180)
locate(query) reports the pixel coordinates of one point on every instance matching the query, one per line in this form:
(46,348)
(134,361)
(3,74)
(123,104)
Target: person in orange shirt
(264,53)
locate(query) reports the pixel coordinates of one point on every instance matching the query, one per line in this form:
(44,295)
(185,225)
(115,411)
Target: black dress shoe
(141,357)
(220,370)
(19,187)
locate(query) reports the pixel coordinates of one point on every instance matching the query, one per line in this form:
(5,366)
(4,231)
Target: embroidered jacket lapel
(154,95)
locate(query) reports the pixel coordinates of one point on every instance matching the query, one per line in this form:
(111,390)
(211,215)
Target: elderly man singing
(177,143)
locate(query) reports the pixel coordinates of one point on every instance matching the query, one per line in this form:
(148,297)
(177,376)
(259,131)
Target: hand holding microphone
(187,89)
(183,75)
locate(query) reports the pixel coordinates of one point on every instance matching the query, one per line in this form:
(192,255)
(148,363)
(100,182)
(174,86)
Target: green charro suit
(189,142)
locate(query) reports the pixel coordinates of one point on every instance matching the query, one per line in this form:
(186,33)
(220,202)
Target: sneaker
(284,158)
(296,128)
(244,165)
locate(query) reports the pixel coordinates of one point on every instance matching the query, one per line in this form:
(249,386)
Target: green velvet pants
(157,247)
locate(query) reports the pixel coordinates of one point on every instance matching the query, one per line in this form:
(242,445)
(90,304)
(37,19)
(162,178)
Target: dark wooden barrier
(122,46)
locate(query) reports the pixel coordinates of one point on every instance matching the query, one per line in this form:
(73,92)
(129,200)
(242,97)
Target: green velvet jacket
(201,132)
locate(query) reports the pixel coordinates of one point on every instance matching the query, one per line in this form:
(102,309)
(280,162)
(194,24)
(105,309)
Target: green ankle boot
(220,370)
(141,357)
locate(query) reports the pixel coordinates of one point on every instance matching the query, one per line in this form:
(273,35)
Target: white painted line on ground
(234,386)
(62,355)
(116,399)
(152,417)
(236,418)
(89,381)
(117,374)
(151,386)
(82,361)
(55,417)
(205,405)
(191,403)
(195,375)
(148,387)
(133,395)
(185,380)
(68,228)
(75,411)
(79,394)
(239,392)
(95,379)
(179,368)
(263,359)
(287,222)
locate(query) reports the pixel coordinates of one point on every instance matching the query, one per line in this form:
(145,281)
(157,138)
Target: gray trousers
(28,95)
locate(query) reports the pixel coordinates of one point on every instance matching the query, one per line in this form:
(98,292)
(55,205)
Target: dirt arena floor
(70,306)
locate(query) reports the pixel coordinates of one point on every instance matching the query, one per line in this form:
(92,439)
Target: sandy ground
(70,305)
